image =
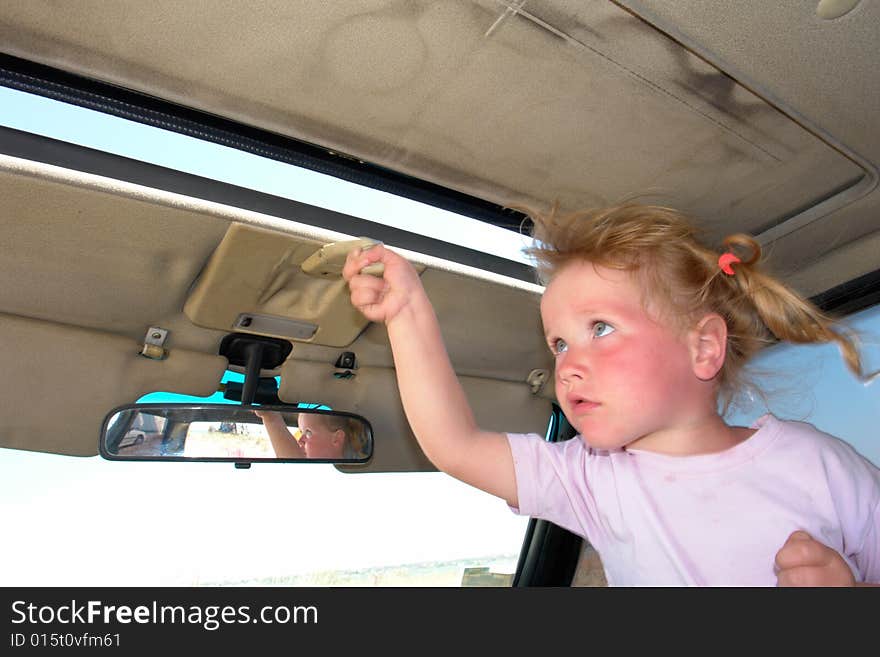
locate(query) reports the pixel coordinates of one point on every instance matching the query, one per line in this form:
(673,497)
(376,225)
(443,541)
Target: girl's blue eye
(559,346)
(601,329)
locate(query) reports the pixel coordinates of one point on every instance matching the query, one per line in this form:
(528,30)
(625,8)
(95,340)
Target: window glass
(812,384)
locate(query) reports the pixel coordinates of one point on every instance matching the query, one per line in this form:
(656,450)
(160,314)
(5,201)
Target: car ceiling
(754,116)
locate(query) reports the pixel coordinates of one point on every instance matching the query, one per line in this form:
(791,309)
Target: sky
(84,521)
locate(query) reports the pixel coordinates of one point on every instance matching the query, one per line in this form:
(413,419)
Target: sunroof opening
(76,125)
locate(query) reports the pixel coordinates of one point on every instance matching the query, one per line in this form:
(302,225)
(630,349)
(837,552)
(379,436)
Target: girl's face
(622,377)
(318,440)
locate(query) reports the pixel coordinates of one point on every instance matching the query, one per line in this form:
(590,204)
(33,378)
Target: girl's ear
(708,346)
(338,437)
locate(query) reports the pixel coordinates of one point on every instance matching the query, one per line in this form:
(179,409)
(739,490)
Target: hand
(804,561)
(269,417)
(380,299)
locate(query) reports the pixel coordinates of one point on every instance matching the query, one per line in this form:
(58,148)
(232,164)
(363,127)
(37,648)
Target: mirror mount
(266,393)
(254,353)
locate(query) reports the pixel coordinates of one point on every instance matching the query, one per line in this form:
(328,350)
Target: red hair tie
(725,260)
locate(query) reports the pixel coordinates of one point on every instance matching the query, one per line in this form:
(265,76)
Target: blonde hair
(663,249)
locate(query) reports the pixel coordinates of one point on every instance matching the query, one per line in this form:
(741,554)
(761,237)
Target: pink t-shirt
(707,520)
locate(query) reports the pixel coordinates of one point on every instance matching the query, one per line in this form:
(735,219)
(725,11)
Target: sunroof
(110,134)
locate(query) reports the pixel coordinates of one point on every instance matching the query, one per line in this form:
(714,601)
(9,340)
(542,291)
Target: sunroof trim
(30,154)
(842,198)
(39,79)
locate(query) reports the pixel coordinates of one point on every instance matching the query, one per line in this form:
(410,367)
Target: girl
(322,436)
(649,330)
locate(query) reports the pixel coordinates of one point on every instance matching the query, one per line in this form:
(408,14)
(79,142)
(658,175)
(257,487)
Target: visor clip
(154,344)
(347,362)
(536,380)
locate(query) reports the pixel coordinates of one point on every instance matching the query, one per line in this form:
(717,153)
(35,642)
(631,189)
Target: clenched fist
(804,561)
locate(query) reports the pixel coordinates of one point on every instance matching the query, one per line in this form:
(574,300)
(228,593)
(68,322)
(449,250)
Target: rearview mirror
(231,433)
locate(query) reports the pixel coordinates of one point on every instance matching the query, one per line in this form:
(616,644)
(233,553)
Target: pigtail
(787,315)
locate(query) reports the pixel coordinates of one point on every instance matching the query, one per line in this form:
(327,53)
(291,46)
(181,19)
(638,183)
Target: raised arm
(432,397)
(283,442)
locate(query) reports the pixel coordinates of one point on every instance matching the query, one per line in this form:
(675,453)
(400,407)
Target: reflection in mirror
(222,432)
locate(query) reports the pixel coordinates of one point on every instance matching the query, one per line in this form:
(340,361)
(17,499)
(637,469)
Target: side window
(812,384)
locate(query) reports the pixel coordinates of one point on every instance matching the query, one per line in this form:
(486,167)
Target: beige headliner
(90,263)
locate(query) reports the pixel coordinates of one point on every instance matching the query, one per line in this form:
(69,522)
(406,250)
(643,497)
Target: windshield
(170,524)
(206,524)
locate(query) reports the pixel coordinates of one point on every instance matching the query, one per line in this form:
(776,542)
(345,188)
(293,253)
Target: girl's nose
(571,365)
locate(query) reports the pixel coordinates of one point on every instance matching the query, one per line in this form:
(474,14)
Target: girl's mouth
(580,405)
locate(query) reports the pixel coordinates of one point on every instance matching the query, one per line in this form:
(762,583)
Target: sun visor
(76,376)
(268,283)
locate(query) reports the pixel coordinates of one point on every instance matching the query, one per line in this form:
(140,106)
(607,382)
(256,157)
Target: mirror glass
(225,432)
